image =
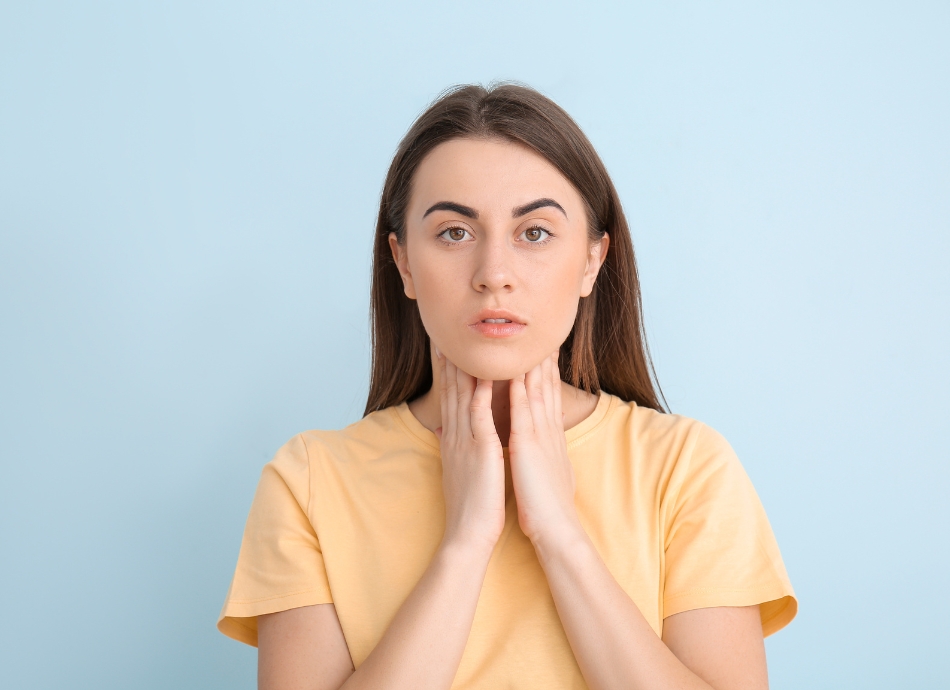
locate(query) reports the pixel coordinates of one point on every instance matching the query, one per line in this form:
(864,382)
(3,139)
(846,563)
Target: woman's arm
(720,648)
(423,645)
(304,648)
(614,645)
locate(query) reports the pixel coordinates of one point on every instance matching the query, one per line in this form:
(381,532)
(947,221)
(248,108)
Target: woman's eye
(535,235)
(454,234)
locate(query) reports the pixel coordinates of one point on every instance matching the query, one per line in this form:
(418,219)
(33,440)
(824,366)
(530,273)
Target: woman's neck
(576,404)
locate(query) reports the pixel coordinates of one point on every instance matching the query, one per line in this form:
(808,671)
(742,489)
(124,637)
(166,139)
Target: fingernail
(437,352)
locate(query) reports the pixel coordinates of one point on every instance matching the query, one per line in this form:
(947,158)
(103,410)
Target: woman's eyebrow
(452,206)
(535,205)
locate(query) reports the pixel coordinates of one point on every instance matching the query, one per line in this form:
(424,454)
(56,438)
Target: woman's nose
(494,271)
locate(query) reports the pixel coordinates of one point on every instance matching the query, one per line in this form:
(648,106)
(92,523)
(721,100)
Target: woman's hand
(473,467)
(541,472)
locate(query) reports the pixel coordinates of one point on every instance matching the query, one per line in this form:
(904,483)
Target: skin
(491,392)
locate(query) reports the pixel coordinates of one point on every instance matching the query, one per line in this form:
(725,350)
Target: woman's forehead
(487,175)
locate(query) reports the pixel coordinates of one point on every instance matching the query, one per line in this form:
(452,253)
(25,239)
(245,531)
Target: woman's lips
(498,330)
(497,324)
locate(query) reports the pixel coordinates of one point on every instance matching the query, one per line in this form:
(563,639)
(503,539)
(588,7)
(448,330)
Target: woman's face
(496,254)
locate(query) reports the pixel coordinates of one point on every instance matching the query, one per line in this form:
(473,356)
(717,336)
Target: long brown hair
(606,350)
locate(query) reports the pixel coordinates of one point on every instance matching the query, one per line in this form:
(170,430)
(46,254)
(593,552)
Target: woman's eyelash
(543,240)
(444,234)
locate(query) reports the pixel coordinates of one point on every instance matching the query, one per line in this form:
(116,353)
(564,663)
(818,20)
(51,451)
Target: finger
(521,422)
(483,424)
(547,389)
(558,402)
(534,381)
(451,397)
(466,389)
(443,396)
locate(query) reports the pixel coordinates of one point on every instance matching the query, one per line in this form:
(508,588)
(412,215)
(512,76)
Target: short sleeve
(280,565)
(720,549)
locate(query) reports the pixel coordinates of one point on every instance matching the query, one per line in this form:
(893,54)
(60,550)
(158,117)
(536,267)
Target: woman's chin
(495,370)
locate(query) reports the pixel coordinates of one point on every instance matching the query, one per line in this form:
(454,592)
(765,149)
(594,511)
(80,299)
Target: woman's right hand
(473,467)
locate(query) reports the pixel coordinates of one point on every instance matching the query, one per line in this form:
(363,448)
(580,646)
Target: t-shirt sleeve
(280,565)
(720,549)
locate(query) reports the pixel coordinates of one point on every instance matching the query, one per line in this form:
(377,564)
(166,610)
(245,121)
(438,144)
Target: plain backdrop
(187,198)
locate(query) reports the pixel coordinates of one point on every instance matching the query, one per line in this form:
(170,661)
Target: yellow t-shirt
(353,517)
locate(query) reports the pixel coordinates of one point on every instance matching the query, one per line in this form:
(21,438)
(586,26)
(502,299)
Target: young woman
(515,509)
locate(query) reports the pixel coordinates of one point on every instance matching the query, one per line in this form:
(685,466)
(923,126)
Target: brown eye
(454,234)
(535,234)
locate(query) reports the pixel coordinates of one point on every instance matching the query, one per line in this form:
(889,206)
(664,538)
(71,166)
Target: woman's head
(497,208)
(495,251)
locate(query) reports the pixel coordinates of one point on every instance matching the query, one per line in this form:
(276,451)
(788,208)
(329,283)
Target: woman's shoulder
(376,433)
(683,456)
(371,426)
(647,424)
(672,438)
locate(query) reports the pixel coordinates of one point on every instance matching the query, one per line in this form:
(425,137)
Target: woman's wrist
(470,551)
(560,541)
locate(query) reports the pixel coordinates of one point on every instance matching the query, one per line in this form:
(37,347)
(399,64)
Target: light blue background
(187,196)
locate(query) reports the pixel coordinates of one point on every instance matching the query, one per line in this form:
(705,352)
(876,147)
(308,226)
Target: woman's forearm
(614,645)
(423,645)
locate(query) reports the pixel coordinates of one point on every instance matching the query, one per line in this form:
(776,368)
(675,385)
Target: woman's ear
(402,263)
(596,256)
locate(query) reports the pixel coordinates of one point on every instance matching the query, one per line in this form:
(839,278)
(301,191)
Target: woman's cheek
(434,290)
(559,331)
(563,304)
(440,318)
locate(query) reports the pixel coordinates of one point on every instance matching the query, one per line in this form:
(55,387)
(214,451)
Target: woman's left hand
(541,472)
